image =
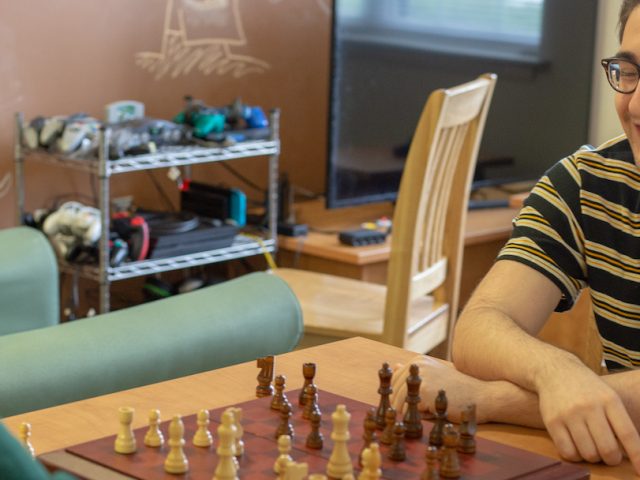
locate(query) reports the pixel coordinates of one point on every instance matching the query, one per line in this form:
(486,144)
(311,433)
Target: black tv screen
(388,55)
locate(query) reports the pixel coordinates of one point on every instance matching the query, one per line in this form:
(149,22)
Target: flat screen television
(388,55)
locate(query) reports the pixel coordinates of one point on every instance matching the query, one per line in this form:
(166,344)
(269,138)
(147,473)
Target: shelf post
(19,169)
(103,205)
(274,120)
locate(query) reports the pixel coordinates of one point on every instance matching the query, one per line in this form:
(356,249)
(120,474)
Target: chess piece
(412,418)
(176,461)
(296,471)
(25,438)
(226,468)
(435,436)
(311,400)
(385,391)
(369,432)
(371,461)
(309,373)
(265,377)
(239,443)
(449,462)
(431,458)
(279,397)
(202,437)
(468,427)
(285,427)
(125,441)
(315,438)
(154,438)
(397,452)
(284,447)
(340,461)
(317,476)
(390,421)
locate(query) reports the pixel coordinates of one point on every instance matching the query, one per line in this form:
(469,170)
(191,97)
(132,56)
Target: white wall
(604,122)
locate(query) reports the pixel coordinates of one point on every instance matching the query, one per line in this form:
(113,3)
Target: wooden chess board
(492,460)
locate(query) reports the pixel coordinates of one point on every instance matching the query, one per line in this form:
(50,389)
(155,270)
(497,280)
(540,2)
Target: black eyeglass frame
(605,62)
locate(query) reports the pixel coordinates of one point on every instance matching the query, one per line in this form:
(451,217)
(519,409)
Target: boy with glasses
(579,228)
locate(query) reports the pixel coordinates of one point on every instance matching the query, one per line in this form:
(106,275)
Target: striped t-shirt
(581,227)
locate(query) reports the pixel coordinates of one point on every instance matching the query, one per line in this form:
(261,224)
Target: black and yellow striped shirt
(581,227)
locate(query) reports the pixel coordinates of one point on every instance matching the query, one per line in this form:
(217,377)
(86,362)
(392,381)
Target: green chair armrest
(236,321)
(29,296)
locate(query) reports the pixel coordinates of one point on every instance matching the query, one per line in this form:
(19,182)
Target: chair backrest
(430,214)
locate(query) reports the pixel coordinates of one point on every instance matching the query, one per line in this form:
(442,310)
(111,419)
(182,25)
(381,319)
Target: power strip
(358,238)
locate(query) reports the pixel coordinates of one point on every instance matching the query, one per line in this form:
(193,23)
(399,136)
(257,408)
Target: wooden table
(347,367)
(487,231)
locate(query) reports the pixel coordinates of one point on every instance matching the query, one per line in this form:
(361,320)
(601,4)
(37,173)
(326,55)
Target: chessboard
(492,460)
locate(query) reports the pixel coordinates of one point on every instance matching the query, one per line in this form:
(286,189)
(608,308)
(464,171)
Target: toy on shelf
(229,124)
(72,228)
(75,135)
(144,135)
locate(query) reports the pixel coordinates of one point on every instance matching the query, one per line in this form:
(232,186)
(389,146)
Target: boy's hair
(625,10)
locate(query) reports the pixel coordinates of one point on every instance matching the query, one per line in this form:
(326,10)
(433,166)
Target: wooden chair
(421,297)
(576,332)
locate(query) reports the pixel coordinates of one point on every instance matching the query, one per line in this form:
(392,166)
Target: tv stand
(487,231)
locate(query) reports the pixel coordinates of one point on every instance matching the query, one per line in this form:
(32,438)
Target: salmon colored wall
(67,56)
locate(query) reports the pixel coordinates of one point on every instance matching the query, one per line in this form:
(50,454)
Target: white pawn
(237,415)
(203,437)
(371,461)
(296,471)
(284,447)
(25,436)
(340,462)
(153,437)
(176,461)
(125,441)
(226,468)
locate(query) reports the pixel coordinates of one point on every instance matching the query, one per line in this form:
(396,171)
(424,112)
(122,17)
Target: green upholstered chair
(236,321)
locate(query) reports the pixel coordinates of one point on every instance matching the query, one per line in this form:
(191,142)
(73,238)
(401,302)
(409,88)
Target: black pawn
(431,457)
(435,436)
(285,427)
(449,462)
(412,418)
(369,432)
(315,439)
(390,421)
(385,391)
(397,452)
(311,400)
(279,397)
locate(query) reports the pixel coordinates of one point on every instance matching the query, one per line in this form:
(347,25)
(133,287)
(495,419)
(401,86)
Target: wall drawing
(323,5)
(5,184)
(201,35)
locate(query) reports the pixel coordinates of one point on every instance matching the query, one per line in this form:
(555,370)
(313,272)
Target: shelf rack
(179,156)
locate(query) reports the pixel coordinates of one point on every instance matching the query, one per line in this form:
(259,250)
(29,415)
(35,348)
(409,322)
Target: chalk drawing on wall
(5,184)
(201,35)
(323,5)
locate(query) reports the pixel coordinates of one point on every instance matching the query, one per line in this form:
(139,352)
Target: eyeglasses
(623,74)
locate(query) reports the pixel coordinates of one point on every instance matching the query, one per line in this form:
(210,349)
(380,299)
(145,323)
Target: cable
(161,191)
(267,254)
(321,230)
(238,175)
